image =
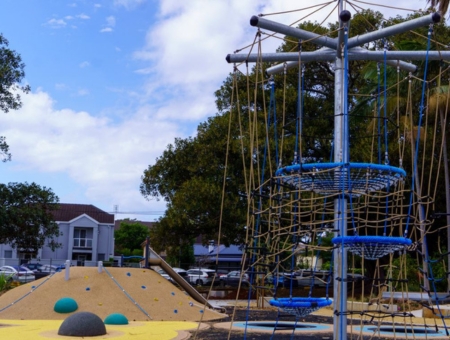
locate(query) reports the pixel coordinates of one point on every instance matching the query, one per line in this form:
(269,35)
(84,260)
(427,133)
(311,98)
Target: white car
(235,278)
(18,273)
(179,271)
(163,274)
(200,276)
(49,268)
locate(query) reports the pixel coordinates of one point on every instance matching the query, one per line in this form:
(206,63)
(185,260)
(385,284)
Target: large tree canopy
(190,175)
(26,219)
(130,235)
(11,75)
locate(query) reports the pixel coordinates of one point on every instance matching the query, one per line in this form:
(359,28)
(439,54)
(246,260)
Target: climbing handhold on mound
(65,305)
(88,289)
(143,287)
(82,324)
(116,319)
(128,274)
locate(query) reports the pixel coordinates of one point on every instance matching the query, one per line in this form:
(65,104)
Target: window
(101,257)
(79,233)
(80,240)
(8,254)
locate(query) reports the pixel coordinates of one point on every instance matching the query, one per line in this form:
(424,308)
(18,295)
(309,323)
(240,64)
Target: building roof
(68,212)
(232,250)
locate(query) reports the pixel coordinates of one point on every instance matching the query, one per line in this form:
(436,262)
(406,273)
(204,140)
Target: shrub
(5,282)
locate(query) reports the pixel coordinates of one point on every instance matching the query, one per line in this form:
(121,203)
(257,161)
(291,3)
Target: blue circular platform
(372,247)
(341,178)
(300,306)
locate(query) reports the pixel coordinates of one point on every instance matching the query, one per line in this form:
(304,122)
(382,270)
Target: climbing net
(308,203)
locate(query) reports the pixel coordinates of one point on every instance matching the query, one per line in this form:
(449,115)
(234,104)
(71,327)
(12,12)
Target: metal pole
(329,54)
(147,251)
(340,204)
(395,29)
(408,67)
(293,32)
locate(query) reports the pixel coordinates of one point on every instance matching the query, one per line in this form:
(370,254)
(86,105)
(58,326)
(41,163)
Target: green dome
(65,305)
(116,319)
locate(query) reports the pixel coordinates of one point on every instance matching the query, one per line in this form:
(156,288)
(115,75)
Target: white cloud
(192,64)
(84,64)
(56,23)
(96,153)
(60,86)
(183,61)
(83,16)
(148,70)
(128,4)
(111,21)
(82,92)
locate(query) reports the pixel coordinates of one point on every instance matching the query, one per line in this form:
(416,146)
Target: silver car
(200,276)
(18,273)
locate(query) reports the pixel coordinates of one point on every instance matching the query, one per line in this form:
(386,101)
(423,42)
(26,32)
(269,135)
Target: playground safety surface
(155,308)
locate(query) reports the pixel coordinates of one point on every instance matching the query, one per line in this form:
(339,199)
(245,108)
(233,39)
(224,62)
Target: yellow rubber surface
(48,329)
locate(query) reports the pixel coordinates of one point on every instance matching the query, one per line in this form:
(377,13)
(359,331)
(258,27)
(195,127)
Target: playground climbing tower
(342,181)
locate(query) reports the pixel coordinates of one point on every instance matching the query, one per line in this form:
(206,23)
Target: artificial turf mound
(138,294)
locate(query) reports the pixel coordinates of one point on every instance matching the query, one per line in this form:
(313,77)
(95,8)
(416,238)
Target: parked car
(163,274)
(233,278)
(286,280)
(18,273)
(35,267)
(49,268)
(307,277)
(179,271)
(221,272)
(201,277)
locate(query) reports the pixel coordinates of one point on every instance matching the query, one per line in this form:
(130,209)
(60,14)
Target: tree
(11,75)
(130,235)
(441,5)
(189,175)
(26,219)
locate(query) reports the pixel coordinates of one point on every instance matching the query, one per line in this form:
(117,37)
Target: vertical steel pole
(340,215)
(340,204)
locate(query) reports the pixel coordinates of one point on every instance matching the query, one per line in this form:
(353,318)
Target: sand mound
(139,294)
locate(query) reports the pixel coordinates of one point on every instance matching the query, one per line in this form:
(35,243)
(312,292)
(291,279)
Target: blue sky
(115,81)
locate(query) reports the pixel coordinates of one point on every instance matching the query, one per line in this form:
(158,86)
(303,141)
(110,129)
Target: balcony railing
(82,242)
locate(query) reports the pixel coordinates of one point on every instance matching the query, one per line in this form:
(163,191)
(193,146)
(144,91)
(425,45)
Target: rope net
(307,204)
